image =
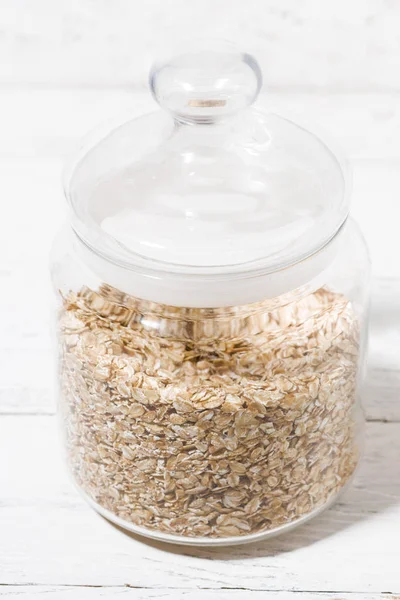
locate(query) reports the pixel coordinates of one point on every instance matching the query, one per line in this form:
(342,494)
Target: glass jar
(212,316)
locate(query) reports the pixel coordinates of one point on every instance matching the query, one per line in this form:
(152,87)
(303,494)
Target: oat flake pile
(212,313)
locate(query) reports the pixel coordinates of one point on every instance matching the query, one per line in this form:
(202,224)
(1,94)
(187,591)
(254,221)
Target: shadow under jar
(212,315)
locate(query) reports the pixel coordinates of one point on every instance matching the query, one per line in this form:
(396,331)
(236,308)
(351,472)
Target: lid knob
(203,85)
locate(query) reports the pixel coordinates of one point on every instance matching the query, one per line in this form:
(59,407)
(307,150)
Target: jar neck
(195,324)
(219,292)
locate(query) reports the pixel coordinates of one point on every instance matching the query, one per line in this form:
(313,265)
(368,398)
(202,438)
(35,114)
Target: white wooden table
(335,65)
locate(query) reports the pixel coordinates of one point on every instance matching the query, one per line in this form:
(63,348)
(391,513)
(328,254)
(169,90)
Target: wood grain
(302,44)
(58,592)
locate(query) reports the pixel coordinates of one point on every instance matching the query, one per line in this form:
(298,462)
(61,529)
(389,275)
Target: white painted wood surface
(307,44)
(58,592)
(51,537)
(65,67)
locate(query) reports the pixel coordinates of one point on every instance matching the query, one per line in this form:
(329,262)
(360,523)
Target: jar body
(212,426)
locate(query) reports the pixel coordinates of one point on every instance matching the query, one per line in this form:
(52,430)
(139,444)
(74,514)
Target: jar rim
(205,290)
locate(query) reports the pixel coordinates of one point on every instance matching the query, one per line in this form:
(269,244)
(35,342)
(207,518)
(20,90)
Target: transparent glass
(212,314)
(211,425)
(208,183)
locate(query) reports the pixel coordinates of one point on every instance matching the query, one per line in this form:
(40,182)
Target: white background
(65,66)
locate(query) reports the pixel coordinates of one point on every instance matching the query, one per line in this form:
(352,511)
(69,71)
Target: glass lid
(208,184)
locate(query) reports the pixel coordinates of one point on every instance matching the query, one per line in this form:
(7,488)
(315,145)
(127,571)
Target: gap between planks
(223,589)
(92,591)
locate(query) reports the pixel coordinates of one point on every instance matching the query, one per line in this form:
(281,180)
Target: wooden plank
(111,593)
(37,198)
(307,44)
(27,359)
(37,123)
(50,537)
(39,128)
